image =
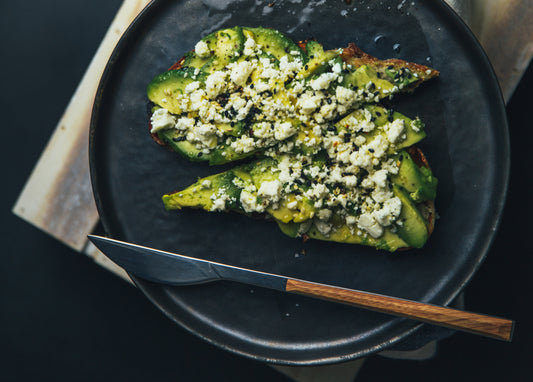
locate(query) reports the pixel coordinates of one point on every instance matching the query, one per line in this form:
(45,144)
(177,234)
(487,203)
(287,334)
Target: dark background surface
(64,318)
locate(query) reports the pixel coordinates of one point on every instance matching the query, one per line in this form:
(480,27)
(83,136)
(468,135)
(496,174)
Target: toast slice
(313,87)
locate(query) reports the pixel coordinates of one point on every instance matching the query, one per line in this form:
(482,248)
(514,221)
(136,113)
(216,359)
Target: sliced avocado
(205,192)
(366,78)
(319,61)
(413,229)
(304,210)
(342,233)
(418,181)
(166,86)
(177,142)
(224,47)
(381,117)
(276,43)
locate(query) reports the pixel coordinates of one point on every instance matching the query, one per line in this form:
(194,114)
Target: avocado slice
(275,43)
(221,48)
(413,229)
(413,129)
(419,182)
(164,88)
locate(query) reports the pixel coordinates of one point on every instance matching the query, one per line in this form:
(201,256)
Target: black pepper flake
(378,113)
(347,137)
(200,154)
(371,86)
(223,99)
(178,139)
(306,67)
(390,118)
(329,101)
(390,67)
(371,150)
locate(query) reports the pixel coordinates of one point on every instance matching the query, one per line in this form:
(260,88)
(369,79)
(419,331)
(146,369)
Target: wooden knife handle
(489,326)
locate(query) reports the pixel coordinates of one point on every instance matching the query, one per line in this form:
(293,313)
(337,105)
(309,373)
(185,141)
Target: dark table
(64,318)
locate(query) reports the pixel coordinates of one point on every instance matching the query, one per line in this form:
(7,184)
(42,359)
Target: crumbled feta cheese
(249,47)
(394,130)
(184,123)
(202,49)
(308,102)
(243,144)
(370,225)
(215,83)
(292,205)
(389,212)
(219,203)
(323,81)
(379,178)
(240,72)
(351,220)
(249,202)
(206,184)
(284,130)
(270,190)
(345,95)
(324,214)
(378,146)
(192,87)
(162,119)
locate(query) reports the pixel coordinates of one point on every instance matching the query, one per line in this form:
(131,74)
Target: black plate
(467,145)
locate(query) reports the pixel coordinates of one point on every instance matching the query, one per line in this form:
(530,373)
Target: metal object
(170,268)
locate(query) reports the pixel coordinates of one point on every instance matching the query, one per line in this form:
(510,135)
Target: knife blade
(174,269)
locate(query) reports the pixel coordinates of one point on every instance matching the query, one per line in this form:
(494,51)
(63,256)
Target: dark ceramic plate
(467,145)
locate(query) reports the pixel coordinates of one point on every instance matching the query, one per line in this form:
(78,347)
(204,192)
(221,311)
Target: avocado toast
(326,159)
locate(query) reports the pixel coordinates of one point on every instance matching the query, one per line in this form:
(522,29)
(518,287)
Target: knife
(173,269)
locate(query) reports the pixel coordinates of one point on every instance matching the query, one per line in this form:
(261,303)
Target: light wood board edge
(93,252)
(58,197)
